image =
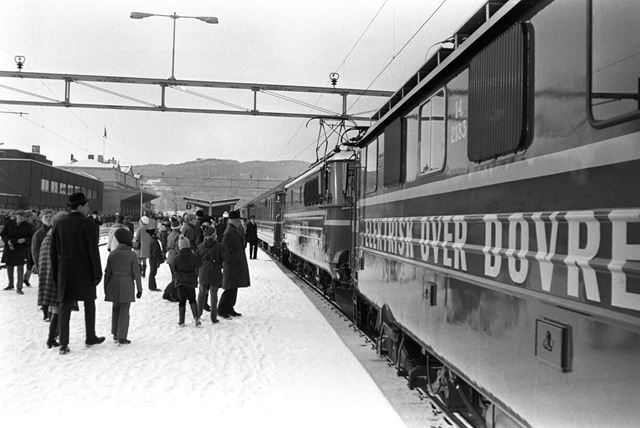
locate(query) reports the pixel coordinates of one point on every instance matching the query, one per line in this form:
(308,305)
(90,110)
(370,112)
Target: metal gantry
(161,104)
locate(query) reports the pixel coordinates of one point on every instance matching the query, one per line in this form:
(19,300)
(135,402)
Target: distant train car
(498,247)
(318,225)
(267,209)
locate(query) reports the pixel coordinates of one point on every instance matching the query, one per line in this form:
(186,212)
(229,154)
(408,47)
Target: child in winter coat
(120,277)
(156,258)
(210,274)
(186,267)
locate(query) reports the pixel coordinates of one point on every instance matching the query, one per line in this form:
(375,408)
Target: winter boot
(45,313)
(53,332)
(194,311)
(181,312)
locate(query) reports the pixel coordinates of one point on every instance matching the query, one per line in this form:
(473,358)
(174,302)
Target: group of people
(202,255)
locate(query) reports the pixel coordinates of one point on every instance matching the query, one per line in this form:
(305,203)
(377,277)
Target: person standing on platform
(189,229)
(171,253)
(142,244)
(235,270)
(252,237)
(163,233)
(187,264)
(121,278)
(15,235)
(221,226)
(156,258)
(127,222)
(36,244)
(35,225)
(210,273)
(200,219)
(75,260)
(47,288)
(112,242)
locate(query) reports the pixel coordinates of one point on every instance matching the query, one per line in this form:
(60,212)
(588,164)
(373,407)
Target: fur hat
(175,224)
(183,242)
(234,214)
(76,199)
(123,236)
(144,219)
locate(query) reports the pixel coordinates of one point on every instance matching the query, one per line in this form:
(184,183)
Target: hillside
(214,179)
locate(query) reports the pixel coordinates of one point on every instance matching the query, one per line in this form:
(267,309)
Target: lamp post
(207,19)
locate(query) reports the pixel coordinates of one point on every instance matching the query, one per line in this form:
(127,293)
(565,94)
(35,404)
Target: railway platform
(289,361)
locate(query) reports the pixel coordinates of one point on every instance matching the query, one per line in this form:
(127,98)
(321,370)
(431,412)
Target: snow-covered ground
(280,364)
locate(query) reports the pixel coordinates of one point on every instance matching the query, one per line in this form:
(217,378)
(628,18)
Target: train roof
(279,187)
(484,24)
(340,156)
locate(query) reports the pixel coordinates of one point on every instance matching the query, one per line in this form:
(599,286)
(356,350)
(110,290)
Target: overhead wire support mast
(162,84)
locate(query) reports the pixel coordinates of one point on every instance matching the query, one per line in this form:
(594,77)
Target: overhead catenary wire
(340,66)
(400,51)
(97,134)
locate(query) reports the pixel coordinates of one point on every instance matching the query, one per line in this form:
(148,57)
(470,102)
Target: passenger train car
(499,217)
(267,209)
(492,248)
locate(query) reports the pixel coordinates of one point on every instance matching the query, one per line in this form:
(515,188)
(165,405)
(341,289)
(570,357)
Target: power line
(337,68)
(400,51)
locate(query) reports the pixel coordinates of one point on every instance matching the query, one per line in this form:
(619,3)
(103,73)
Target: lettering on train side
(590,256)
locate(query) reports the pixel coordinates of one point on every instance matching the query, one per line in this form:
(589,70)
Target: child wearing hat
(210,274)
(186,267)
(121,278)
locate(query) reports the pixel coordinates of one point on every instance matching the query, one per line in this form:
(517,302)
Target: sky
(371,44)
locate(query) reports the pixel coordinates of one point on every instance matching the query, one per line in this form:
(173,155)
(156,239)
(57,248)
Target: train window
(371,167)
(311,191)
(413,140)
(432,134)
(394,152)
(615,59)
(498,96)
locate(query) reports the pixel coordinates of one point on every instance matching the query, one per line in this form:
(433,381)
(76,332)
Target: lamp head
(140,15)
(208,19)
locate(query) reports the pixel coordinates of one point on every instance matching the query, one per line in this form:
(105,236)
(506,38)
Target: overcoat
(235,270)
(252,232)
(36,243)
(210,253)
(186,266)
(144,239)
(172,246)
(122,275)
(47,289)
(75,257)
(11,232)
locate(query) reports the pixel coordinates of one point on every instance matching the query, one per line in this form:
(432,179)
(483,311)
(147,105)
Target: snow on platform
(280,364)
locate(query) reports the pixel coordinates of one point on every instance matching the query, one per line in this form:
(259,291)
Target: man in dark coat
(252,237)
(235,270)
(76,268)
(16,236)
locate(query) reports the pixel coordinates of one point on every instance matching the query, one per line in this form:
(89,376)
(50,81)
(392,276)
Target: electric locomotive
(498,256)
(317,230)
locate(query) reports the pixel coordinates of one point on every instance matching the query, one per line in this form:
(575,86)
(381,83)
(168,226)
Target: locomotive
(493,242)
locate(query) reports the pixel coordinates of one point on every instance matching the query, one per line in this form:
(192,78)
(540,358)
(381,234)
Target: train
(485,230)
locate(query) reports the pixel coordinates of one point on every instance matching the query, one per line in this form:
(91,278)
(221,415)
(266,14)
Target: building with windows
(123,190)
(30,181)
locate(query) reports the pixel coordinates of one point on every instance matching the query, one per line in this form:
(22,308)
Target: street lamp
(207,19)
